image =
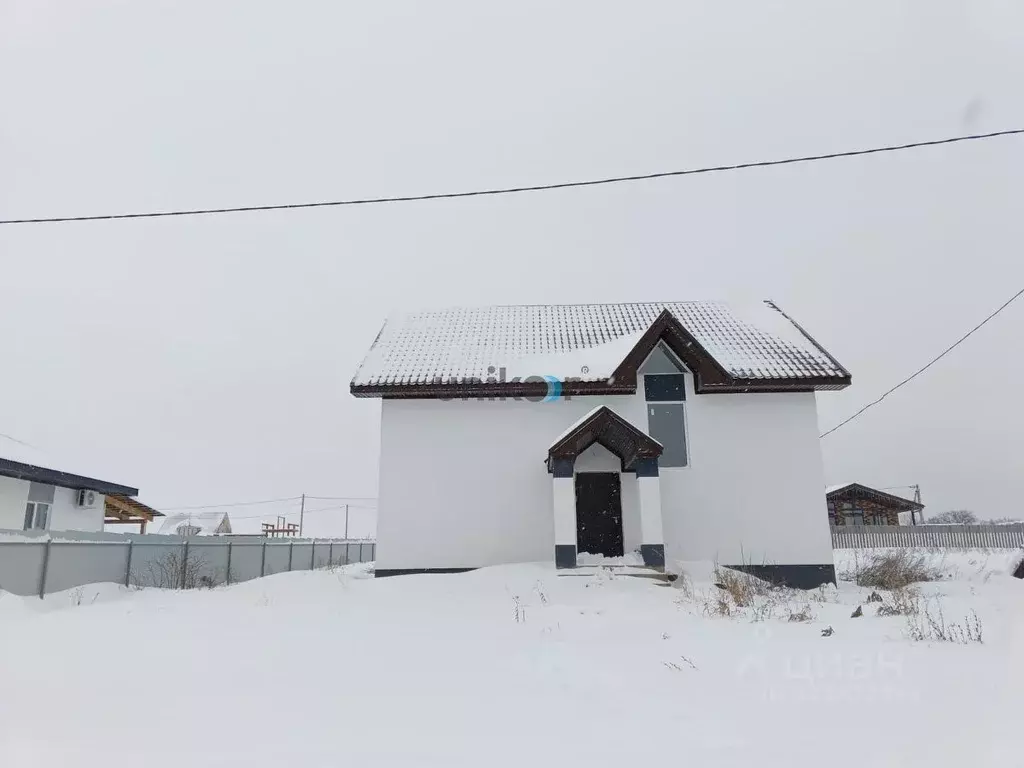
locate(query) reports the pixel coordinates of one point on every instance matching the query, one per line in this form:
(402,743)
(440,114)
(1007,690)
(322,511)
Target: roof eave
(476,391)
(33,473)
(539,391)
(793,384)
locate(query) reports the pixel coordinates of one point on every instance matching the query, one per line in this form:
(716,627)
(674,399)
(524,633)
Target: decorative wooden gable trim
(709,375)
(606,428)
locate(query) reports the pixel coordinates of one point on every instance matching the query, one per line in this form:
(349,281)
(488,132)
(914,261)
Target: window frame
(32,514)
(658,401)
(854,512)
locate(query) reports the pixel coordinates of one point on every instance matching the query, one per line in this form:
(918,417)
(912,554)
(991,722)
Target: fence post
(263,559)
(360,551)
(228,578)
(184,564)
(312,557)
(128,565)
(45,568)
(291,549)
(330,554)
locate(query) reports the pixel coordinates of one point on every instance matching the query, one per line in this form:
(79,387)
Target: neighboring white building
(680,431)
(196,523)
(34,497)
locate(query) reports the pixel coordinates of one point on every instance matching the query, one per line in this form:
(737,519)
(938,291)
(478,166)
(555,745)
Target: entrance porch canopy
(638,453)
(637,450)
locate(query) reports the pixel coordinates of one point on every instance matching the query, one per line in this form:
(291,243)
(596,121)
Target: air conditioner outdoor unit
(86,498)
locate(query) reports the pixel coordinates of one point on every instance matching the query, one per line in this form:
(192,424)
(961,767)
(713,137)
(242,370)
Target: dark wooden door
(599,513)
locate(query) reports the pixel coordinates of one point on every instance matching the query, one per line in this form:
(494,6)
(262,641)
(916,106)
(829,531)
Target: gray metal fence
(64,561)
(928,536)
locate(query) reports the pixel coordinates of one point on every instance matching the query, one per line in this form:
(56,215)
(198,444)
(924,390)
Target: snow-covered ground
(510,666)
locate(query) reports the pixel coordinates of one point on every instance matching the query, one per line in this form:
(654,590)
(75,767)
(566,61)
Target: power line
(266,515)
(515,190)
(13,439)
(934,360)
(269,501)
(231,504)
(273,501)
(343,498)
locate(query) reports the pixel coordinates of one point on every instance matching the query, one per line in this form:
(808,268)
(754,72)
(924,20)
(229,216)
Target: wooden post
(291,550)
(330,554)
(184,563)
(263,559)
(312,556)
(302,514)
(228,578)
(45,569)
(128,565)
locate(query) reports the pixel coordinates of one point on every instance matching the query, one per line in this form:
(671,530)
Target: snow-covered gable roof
(859,490)
(26,462)
(201,523)
(586,342)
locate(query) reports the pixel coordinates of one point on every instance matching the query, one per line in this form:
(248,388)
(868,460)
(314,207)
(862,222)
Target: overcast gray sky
(207,359)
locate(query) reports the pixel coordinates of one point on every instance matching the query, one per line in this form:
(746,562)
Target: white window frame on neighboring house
(37,515)
(854,517)
(39,507)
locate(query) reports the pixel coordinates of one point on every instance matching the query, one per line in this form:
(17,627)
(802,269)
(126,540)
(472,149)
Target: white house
(196,523)
(34,497)
(679,431)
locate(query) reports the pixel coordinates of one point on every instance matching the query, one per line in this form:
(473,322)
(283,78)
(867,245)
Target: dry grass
(905,601)
(893,570)
(929,625)
(803,615)
(744,589)
(738,594)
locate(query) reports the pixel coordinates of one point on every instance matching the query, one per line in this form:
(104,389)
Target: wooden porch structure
(124,509)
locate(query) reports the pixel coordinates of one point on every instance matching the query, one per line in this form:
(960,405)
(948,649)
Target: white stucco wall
(66,516)
(464,483)
(13,497)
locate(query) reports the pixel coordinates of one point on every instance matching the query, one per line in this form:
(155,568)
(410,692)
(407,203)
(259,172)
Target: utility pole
(917,500)
(302,514)
(346,522)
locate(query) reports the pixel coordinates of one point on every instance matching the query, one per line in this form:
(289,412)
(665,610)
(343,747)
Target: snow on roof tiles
(581,340)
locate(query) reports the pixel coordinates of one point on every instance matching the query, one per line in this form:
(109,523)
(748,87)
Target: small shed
(856,504)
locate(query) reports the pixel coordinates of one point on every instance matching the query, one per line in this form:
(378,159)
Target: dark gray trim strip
(35,474)
(796,576)
(561,467)
(664,387)
(565,555)
(382,572)
(647,468)
(653,554)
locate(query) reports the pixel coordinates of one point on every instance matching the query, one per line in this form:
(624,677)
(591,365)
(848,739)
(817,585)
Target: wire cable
(231,504)
(933,361)
(516,190)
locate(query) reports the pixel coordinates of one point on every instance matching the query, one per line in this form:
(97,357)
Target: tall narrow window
(666,416)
